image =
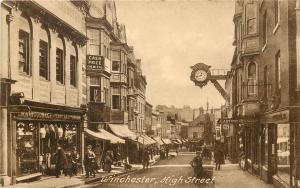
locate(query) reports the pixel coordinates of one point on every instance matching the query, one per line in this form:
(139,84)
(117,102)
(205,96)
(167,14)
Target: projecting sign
(94,62)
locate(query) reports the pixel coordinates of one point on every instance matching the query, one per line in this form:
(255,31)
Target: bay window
(251,23)
(93,46)
(251,78)
(95,89)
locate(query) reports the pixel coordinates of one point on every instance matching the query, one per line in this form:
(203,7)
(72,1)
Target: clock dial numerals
(200,75)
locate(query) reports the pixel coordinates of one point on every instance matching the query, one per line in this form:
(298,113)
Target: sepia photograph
(150,93)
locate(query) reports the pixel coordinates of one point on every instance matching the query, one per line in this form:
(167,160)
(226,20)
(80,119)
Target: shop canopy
(179,141)
(122,131)
(158,140)
(166,141)
(146,140)
(104,135)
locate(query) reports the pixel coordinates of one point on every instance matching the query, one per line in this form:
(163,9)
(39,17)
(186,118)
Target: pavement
(172,172)
(77,181)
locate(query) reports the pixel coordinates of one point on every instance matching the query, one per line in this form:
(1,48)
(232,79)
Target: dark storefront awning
(122,131)
(104,135)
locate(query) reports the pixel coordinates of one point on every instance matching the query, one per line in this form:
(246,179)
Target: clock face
(200,75)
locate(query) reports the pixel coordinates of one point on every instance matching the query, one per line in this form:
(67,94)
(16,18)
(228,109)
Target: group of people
(69,162)
(164,152)
(66,162)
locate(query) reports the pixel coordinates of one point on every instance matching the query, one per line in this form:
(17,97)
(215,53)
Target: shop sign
(94,62)
(278,117)
(48,116)
(225,126)
(237,121)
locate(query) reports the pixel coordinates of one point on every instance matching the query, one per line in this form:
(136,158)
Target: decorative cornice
(45,17)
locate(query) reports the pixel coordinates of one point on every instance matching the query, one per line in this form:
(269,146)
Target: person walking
(219,158)
(108,162)
(61,162)
(146,159)
(196,163)
(74,161)
(90,162)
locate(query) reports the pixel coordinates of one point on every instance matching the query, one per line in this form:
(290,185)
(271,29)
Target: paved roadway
(175,172)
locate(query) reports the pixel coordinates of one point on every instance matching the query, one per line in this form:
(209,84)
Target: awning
(158,140)
(166,141)
(122,131)
(179,141)
(147,139)
(104,135)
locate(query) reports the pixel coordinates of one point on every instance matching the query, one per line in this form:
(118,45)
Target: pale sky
(170,36)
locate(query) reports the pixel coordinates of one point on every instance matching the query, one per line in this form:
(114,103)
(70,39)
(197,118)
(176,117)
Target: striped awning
(123,131)
(158,140)
(104,135)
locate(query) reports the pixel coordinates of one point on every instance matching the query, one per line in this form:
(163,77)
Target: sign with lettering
(237,121)
(278,117)
(94,62)
(48,116)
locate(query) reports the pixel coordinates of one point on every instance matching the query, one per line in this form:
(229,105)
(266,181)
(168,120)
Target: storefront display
(283,152)
(27,148)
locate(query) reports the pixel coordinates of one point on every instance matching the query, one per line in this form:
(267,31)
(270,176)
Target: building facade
(42,57)
(265,98)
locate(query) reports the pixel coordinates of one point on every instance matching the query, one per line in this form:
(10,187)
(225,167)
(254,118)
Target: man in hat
(196,163)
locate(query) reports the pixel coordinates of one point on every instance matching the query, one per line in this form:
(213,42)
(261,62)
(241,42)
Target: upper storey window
(251,78)
(251,21)
(93,42)
(24,46)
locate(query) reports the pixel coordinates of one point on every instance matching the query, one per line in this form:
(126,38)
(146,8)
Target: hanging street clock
(200,74)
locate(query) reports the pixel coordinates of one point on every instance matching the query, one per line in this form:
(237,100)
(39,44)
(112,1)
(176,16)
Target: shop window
(251,78)
(116,101)
(27,149)
(283,152)
(59,66)
(93,46)
(44,61)
(24,49)
(73,70)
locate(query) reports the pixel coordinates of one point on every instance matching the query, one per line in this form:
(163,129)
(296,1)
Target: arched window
(44,45)
(25,33)
(73,66)
(60,63)
(251,78)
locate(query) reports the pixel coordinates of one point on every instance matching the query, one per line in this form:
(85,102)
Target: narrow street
(168,173)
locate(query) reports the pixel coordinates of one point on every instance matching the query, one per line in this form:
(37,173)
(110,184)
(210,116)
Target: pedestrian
(167,151)
(196,163)
(98,152)
(145,159)
(90,162)
(74,161)
(61,162)
(219,158)
(108,161)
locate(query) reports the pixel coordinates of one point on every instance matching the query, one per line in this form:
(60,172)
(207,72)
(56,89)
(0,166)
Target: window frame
(47,63)
(73,70)
(24,38)
(61,64)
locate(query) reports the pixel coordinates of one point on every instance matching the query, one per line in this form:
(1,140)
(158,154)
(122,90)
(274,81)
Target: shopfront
(36,134)
(281,155)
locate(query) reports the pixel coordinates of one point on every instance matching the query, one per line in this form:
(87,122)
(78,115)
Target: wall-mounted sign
(94,62)
(237,121)
(47,116)
(278,117)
